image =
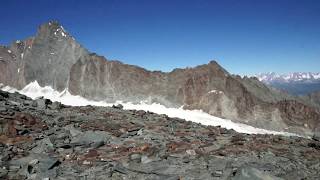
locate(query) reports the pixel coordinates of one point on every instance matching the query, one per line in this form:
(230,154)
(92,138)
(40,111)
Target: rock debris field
(40,139)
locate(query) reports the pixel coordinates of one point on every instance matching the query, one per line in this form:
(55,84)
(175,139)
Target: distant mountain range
(290,77)
(54,58)
(297,83)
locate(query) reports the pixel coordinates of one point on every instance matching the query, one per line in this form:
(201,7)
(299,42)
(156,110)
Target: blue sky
(245,37)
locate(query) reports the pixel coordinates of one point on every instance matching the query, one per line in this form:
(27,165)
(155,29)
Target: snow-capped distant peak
(290,77)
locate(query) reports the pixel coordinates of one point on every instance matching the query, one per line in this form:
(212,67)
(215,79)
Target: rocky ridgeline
(40,139)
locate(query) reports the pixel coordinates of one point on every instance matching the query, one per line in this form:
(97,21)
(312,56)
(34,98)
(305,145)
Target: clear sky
(245,37)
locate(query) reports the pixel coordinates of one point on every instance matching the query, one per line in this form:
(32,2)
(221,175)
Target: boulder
(118,106)
(41,103)
(250,173)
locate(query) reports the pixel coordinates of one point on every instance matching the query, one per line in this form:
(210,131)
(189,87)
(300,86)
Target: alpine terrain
(54,58)
(60,118)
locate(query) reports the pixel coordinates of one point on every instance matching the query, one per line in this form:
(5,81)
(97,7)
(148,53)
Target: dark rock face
(54,58)
(110,143)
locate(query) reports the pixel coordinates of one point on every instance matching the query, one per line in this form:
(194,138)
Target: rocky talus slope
(40,139)
(54,58)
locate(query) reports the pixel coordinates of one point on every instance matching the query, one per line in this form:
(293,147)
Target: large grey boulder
(250,173)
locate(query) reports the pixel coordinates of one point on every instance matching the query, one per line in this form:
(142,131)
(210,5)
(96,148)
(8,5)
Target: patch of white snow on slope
(34,90)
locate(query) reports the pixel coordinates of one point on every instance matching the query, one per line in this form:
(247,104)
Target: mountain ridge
(288,77)
(55,59)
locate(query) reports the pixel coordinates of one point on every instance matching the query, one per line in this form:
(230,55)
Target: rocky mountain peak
(47,57)
(217,66)
(53,29)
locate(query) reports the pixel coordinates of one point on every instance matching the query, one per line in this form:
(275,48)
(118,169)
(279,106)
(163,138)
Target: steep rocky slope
(313,97)
(208,87)
(40,139)
(54,58)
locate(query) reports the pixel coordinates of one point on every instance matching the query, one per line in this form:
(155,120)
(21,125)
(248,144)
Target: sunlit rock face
(51,55)
(47,57)
(207,87)
(54,58)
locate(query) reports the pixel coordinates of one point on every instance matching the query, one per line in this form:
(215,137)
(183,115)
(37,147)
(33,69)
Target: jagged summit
(54,29)
(52,25)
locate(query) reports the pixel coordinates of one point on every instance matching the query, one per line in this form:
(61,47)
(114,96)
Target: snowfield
(34,90)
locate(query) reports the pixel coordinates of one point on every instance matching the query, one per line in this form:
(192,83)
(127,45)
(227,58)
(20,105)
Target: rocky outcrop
(55,59)
(314,97)
(11,64)
(40,139)
(296,113)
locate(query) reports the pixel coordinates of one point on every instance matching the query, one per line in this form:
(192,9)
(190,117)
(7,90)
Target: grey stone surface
(90,145)
(250,173)
(90,137)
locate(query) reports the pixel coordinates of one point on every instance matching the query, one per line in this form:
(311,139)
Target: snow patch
(34,90)
(63,33)
(22,55)
(215,92)
(18,70)
(9,51)
(316,76)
